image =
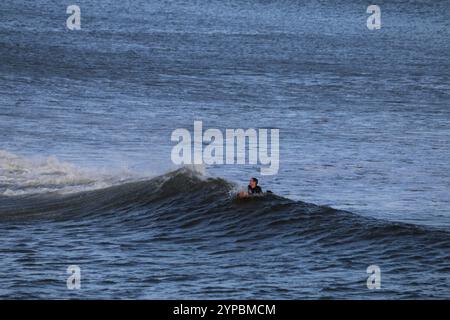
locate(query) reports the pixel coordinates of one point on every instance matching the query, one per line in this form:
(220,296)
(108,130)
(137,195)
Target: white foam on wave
(22,176)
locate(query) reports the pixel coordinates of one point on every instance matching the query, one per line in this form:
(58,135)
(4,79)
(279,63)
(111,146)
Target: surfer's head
(253,182)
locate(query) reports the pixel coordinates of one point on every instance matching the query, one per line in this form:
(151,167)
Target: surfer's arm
(243,194)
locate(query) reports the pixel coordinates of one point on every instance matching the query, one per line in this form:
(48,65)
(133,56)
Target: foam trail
(23,176)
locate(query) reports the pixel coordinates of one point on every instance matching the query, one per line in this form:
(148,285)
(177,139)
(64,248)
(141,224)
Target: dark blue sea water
(86,177)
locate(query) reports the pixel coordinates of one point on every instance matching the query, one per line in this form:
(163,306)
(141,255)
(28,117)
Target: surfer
(252,189)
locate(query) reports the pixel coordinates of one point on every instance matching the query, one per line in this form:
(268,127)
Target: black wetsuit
(254,190)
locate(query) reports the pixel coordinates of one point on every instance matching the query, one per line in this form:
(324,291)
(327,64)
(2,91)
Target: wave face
(183,234)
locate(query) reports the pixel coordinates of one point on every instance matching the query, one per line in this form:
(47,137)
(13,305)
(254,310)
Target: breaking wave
(186,208)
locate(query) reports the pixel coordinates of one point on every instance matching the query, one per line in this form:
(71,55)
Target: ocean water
(86,177)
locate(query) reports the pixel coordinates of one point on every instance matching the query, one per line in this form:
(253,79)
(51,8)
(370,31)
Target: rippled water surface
(85,123)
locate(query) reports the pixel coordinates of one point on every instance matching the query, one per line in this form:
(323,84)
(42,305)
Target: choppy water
(85,124)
